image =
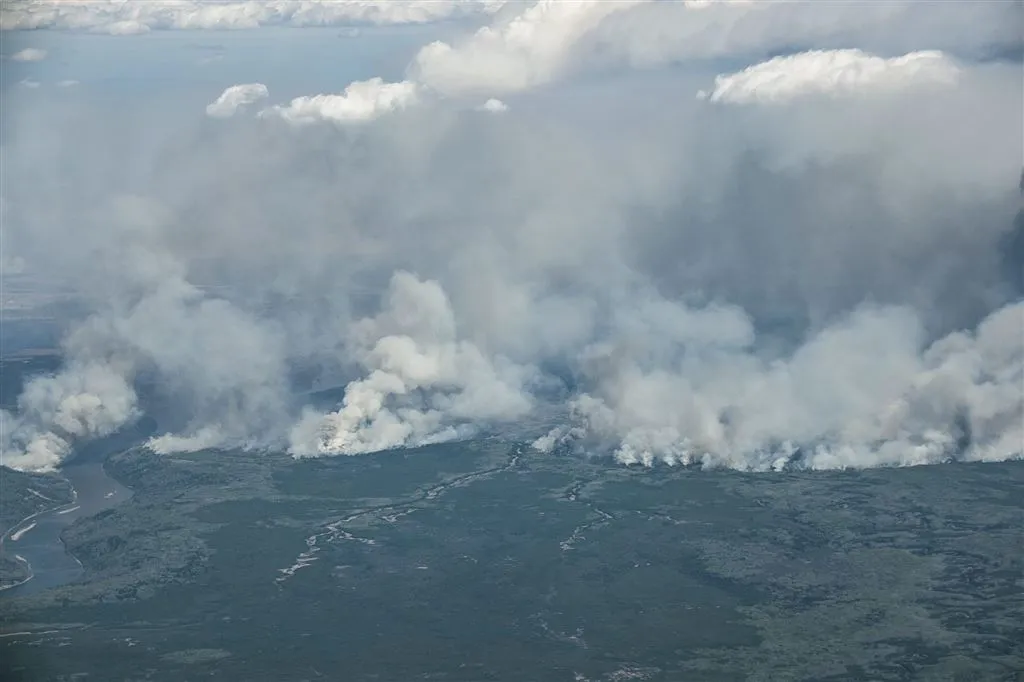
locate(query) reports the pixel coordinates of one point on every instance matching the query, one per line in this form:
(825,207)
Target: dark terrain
(23,495)
(484,561)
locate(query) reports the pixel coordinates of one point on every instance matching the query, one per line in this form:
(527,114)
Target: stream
(37,540)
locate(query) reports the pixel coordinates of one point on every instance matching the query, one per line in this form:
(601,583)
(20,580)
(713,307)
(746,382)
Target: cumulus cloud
(29,54)
(236,97)
(519,51)
(540,43)
(835,72)
(361,101)
(218,369)
(494,106)
(128,18)
(658,33)
(530,49)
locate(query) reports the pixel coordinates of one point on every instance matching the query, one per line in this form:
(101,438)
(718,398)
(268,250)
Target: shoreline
(31,574)
(15,532)
(93,490)
(68,513)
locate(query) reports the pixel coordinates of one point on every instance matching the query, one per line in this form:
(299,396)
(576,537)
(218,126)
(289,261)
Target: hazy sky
(746,234)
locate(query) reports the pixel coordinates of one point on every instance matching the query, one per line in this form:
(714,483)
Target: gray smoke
(424,384)
(816,280)
(863,392)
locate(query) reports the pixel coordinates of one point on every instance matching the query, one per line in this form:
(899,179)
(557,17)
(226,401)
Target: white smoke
(860,393)
(226,366)
(550,40)
(85,400)
(752,287)
(424,384)
(224,369)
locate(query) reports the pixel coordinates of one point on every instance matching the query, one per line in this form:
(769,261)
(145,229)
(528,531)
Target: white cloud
(124,18)
(540,43)
(521,51)
(236,97)
(657,33)
(126,27)
(361,101)
(29,54)
(69,83)
(29,83)
(530,49)
(234,397)
(494,106)
(835,72)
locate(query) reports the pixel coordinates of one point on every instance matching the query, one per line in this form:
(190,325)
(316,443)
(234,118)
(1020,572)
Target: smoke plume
(813,265)
(423,384)
(863,392)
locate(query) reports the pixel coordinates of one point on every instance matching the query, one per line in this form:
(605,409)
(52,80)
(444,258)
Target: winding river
(36,540)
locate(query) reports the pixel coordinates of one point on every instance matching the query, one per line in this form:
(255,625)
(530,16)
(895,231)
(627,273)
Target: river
(37,539)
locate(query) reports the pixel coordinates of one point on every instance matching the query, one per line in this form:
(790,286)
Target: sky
(756,235)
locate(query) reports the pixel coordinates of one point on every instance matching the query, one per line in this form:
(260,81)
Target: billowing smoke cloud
(86,400)
(220,371)
(425,385)
(823,282)
(862,392)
